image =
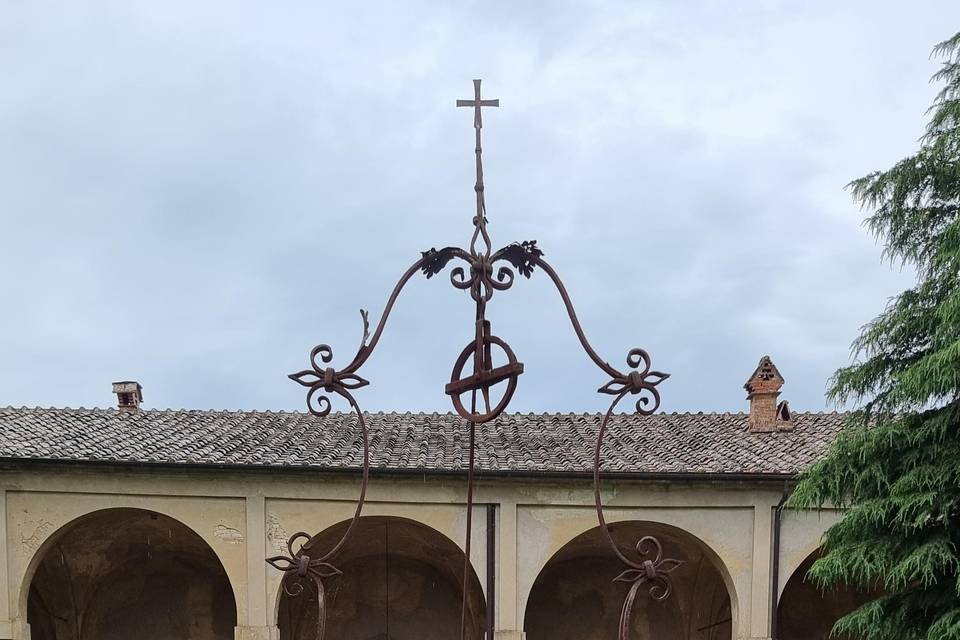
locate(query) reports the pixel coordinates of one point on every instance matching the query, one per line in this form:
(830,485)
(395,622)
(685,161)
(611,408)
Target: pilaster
(8,628)
(6,606)
(257,596)
(760,584)
(508,617)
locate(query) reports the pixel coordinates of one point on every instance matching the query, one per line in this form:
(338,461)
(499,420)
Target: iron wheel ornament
(474,383)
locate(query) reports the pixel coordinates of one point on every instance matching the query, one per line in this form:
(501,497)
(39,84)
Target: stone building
(154,524)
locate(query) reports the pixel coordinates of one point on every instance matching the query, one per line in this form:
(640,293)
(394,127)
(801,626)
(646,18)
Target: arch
(807,612)
(401,580)
(575,596)
(124,571)
(807,555)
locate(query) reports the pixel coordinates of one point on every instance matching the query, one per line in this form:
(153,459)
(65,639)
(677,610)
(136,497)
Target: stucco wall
(244,517)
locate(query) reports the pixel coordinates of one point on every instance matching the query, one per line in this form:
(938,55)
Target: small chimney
(129,395)
(763,388)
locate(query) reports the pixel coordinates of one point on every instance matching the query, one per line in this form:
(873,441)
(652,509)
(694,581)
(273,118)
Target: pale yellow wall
(245,517)
(800,537)
(34,518)
(286,516)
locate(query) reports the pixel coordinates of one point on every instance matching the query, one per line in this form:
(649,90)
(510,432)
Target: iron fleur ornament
(482,272)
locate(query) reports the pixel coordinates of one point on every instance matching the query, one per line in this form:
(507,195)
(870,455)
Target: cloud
(195,195)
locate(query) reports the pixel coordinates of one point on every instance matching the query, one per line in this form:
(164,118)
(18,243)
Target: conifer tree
(896,465)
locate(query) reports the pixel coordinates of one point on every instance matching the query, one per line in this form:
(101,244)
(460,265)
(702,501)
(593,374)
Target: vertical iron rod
(491,570)
(466,545)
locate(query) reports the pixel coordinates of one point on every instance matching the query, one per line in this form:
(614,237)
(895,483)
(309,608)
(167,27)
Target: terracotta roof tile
(545,443)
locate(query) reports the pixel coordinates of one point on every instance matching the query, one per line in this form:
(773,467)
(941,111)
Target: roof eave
(7,463)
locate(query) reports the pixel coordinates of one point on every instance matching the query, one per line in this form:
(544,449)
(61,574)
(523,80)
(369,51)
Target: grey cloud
(194,195)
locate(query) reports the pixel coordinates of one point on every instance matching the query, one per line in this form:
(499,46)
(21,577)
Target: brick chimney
(763,388)
(129,395)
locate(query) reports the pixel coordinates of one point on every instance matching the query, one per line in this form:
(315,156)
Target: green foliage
(896,465)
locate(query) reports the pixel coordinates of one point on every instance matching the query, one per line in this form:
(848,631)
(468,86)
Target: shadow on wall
(806,612)
(575,597)
(129,573)
(401,581)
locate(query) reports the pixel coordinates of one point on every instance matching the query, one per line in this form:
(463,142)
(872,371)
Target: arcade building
(131,522)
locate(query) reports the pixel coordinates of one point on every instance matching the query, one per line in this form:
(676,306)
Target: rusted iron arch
(482,273)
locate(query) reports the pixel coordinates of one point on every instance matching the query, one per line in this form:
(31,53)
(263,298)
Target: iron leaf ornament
(653,571)
(642,382)
(479,390)
(522,255)
(297,567)
(436,261)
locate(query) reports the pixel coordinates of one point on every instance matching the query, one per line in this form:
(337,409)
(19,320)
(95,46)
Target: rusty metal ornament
(482,272)
(298,566)
(655,573)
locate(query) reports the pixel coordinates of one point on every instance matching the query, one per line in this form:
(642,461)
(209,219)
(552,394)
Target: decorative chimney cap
(129,394)
(765,378)
(763,388)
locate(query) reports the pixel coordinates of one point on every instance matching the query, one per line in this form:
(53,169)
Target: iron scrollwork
(298,566)
(482,272)
(652,571)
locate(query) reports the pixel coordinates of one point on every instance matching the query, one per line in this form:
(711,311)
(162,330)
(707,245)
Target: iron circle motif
(484,379)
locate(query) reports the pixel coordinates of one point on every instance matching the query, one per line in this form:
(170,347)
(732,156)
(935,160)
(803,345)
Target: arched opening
(129,573)
(401,581)
(575,597)
(806,612)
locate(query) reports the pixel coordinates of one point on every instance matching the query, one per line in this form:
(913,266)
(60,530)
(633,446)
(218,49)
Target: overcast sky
(192,195)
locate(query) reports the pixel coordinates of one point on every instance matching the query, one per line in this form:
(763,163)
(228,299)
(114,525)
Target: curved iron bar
(600,362)
(323,378)
(299,565)
(366,349)
(644,571)
(655,574)
(639,381)
(329,379)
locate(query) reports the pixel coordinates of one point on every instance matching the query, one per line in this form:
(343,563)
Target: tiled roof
(717,443)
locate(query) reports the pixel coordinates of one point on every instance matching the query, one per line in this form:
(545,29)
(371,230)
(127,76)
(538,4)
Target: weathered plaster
(34,518)
(800,537)
(245,516)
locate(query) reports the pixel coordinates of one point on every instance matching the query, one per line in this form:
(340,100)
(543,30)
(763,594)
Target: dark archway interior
(401,581)
(806,612)
(129,573)
(575,597)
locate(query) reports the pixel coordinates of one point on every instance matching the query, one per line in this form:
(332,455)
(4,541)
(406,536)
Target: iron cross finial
(480,221)
(477,103)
